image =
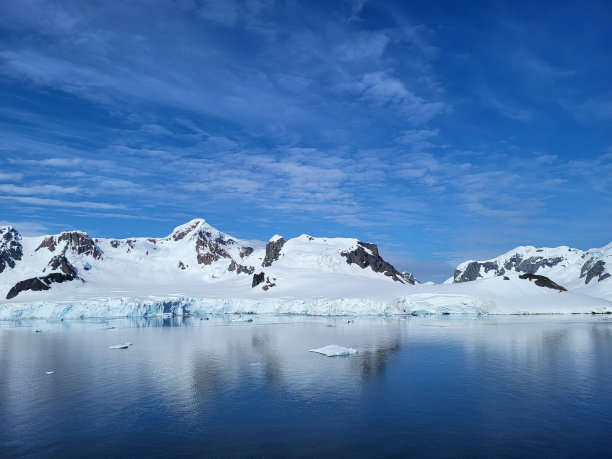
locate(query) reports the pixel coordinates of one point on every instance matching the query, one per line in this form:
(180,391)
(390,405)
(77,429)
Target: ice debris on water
(334,350)
(120,346)
(49,372)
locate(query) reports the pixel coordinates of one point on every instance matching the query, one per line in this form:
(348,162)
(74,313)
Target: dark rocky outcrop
(366,255)
(258,279)
(184,232)
(532,264)
(80,243)
(409,278)
(241,268)
(77,241)
(542,281)
(47,243)
(11,249)
(269,284)
(61,262)
(181,265)
(208,250)
(39,283)
(592,270)
(273,250)
(246,251)
(474,269)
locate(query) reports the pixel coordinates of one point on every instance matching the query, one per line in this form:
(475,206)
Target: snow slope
(200,270)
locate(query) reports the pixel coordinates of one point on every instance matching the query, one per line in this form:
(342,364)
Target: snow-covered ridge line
(582,271)
(192,258)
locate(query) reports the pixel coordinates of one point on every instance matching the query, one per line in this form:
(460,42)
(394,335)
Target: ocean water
(229,387)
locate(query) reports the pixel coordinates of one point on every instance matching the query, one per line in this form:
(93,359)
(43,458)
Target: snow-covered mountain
(200,270)
(588,272)
(194,257)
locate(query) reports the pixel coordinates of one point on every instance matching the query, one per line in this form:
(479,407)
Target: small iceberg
(49,372)
(120,346)
(334,350)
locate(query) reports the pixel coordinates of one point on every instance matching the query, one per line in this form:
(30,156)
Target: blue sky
(441,131)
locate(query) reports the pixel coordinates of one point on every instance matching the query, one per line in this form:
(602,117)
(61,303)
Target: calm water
(510,386)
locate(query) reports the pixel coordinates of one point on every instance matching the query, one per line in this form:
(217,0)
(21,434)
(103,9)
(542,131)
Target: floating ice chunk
(49,372)
(120,346)
(334,350)
(254,364)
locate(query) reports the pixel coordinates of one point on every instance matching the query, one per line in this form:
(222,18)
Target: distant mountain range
(192,251)
(199,268)
(587,272)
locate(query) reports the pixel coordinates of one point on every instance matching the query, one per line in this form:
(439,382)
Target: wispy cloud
(45,202)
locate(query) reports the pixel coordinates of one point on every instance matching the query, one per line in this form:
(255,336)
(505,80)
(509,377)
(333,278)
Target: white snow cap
(190,225)
(275,238)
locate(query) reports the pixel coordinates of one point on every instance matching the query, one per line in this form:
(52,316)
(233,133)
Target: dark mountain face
(77,242)
(11,249)
(366,255)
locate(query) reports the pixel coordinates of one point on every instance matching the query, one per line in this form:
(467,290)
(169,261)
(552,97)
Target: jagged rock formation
(409,278)
(61,262)
(542,281)
(273,250)
(76,241)
(11,249)
(592,270)
(258,279)
(39,283)
(517,262)
(366,256)
(240,268)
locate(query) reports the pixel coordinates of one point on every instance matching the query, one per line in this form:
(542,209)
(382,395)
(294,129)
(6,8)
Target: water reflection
(210,377)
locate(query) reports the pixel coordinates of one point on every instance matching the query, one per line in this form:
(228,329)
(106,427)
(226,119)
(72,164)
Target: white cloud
(38,189)
(45,202)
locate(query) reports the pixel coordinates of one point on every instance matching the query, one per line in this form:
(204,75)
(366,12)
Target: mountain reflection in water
(247,386)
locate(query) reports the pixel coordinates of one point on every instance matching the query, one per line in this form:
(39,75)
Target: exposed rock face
(10,247)
(184,232)
(472,271)
(61,262)
(258,279)
(246,251)
(208,250)
(366,255)
(81,244)
(269,284)
(77,241)
(516,263)
(241,268)
(39,283)
(409,278)
(542,281)
(47,243)
(591,270)
(273,250)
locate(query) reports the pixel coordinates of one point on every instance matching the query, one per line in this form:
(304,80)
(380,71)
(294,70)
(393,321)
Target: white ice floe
(49,372)
(120,346)
(333,350)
